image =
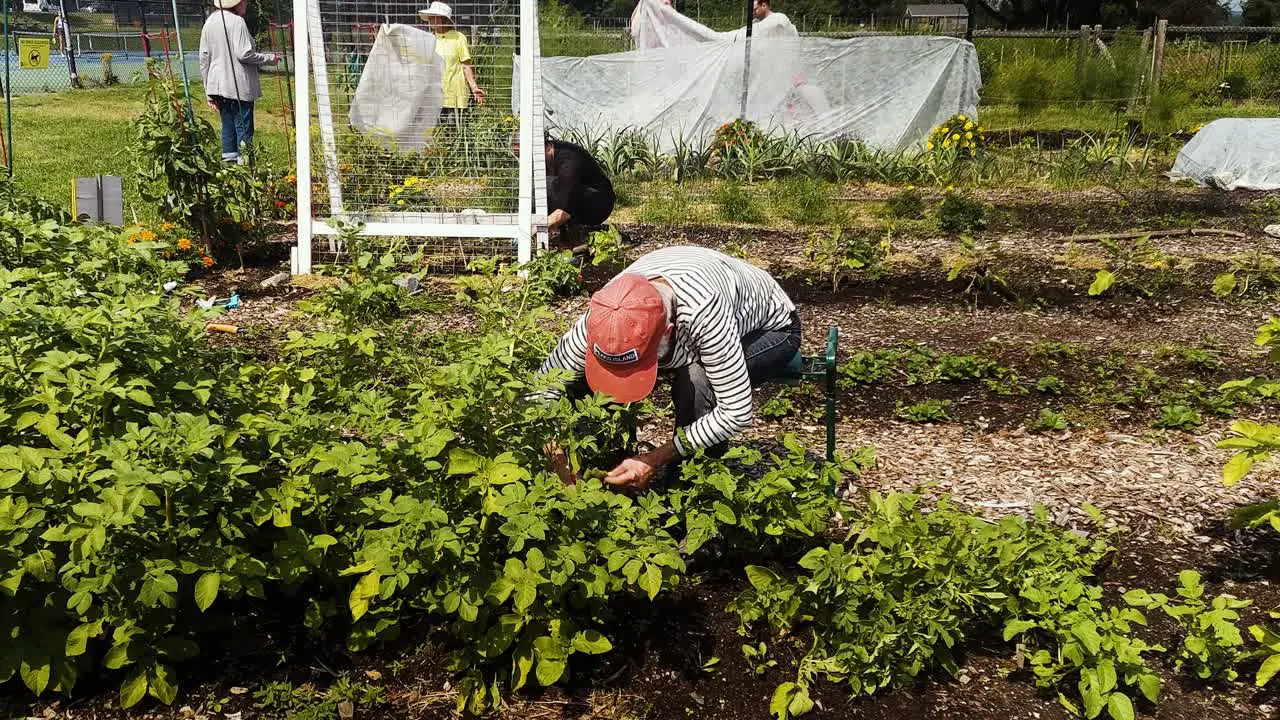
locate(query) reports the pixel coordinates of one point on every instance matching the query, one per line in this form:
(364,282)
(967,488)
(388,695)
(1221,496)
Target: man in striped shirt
(719,325)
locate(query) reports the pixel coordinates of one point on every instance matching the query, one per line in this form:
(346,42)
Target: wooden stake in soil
(1157,63)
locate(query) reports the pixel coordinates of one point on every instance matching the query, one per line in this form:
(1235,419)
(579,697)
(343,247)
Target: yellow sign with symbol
(33,53)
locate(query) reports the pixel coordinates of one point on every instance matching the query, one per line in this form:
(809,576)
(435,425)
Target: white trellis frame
(525,228)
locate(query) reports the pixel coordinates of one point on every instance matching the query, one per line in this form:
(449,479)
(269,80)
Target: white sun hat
(438,9)
(226,4)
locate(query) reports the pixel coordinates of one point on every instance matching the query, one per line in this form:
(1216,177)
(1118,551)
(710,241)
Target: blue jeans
(237,126)
(768,353)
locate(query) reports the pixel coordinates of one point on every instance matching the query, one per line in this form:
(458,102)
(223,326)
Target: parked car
(39,6)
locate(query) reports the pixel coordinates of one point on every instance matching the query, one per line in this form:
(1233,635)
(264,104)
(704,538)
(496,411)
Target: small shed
(948,18)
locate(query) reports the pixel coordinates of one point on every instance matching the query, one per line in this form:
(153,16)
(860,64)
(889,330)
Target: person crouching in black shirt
(579,193)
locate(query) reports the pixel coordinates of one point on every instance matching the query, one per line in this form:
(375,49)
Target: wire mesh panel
(1206,67)
(414,125)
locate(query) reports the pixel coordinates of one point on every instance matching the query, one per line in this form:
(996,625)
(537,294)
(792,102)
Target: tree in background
(1261,13)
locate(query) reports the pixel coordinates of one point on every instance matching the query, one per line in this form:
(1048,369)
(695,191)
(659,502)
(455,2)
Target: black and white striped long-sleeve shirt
(719,300)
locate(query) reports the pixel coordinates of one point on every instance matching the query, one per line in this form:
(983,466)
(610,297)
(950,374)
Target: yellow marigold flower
(930,144)
(968,125)
(166,227)
(184,244)
(955,138)
(146,236)
(207,261)
(961,117)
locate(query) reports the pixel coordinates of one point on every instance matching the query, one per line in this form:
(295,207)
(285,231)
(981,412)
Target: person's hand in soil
(635,473)
(559,463)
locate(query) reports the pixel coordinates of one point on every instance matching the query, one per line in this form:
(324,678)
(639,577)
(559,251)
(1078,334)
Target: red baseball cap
(625,325)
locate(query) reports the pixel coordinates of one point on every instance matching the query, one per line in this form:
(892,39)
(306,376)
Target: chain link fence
(104,49)
(1209,66)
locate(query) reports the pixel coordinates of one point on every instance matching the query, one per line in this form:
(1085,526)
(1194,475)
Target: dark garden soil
(662,666)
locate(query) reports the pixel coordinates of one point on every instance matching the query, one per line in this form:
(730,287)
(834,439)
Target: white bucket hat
(438,9)
(226,4)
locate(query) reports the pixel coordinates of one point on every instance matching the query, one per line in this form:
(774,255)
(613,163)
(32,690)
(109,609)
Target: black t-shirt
(575,172)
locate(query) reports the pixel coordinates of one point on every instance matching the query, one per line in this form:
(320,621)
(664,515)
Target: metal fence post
(66,39)
(1082,52)
(1157,60)
(8,95)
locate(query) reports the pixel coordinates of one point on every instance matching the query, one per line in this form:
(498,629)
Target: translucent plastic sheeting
(400,92)
(1233,154)
(655,24)
(887,92)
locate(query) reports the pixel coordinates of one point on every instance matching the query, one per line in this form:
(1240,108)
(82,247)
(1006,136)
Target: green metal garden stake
(8,95)
(182,59)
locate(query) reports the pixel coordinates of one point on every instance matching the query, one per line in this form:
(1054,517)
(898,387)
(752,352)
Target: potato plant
(154,489)
(899,596)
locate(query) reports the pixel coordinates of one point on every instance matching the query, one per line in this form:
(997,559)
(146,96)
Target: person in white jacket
(769,23)
(229,63)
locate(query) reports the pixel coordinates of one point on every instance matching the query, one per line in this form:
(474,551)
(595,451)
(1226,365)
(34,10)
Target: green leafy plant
(903,591)
(757,657)
(977,263)
(840,253)
(1269,652)
(1049,420)
(961,214)
(163,487)
(180,170)
(925,411)
(1089,647)
(1248,272)
(1198,358)
(867,367)
(1212,645)
(1254,442)
(1138,265)
(807,201)
(305,702)
(906,204)
(605,247)
(1179,417)
(1050,385)
(736,203)
(778,406)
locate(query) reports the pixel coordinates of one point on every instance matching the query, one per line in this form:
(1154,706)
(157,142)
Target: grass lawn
(1098,118)
(61,136)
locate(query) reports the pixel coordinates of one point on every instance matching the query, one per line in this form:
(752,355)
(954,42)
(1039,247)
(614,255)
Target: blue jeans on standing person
(237,127)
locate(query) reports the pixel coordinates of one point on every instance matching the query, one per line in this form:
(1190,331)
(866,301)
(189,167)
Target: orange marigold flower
(184,244)
(207,261)
(133,239)
(146,236)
